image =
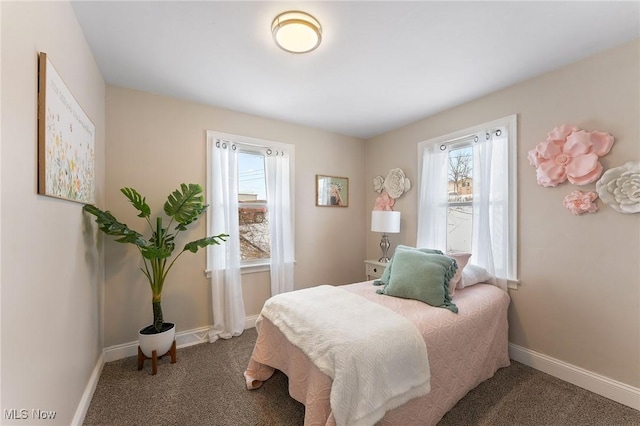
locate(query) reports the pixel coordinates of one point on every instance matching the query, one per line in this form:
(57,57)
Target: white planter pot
(159,342)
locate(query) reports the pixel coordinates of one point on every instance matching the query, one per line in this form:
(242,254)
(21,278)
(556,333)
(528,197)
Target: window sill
(513,284)
(251,268)
(247,269)
(255,268)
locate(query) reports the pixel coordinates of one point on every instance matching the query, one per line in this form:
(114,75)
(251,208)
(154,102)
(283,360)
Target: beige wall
(579,300)
(155,143)
(51,274)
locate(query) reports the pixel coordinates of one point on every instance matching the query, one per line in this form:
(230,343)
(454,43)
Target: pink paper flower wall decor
(579,202)
(384,202)
(570,153)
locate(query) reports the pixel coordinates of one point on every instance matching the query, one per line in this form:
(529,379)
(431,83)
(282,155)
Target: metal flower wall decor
(390,188)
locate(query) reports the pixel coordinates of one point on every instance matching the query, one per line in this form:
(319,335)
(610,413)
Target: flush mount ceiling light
(296,32)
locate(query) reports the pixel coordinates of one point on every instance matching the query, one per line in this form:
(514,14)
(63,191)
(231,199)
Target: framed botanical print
(66,140)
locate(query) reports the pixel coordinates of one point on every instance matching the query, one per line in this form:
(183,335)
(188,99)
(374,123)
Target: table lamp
(385,221)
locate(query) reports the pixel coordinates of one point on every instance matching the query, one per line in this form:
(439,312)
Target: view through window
(460,199)
(255,240)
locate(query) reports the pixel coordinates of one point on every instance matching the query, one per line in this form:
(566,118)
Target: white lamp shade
(385,221)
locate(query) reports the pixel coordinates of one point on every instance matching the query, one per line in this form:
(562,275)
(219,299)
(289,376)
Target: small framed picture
(332,191)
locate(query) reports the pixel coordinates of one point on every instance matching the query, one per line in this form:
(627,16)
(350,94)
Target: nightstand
(374,269)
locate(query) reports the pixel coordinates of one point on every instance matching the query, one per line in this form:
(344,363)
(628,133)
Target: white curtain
(490,239)
(432,207)
(226,286)
(491,227)
(277,169)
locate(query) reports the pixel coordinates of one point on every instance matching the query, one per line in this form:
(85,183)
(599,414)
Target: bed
(464,349)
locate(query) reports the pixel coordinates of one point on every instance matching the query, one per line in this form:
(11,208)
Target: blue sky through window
(251,177)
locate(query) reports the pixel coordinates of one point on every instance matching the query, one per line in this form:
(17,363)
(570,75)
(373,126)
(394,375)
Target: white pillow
(473,274)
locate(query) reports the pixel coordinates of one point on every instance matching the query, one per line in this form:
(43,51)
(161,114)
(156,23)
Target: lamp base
(384,245)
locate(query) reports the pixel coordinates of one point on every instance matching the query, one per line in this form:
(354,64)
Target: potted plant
(183,207)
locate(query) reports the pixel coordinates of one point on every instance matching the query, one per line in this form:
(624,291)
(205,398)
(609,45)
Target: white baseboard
(609,388)
(250,322)
(183,340)
(85,401)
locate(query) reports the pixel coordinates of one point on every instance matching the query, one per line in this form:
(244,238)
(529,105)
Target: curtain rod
(498,132)
(268,149)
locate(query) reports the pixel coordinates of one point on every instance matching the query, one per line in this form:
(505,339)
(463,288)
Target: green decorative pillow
(384,279)
(422,276)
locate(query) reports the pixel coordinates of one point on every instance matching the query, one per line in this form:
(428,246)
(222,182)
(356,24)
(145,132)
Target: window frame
(250,145)
(459,137)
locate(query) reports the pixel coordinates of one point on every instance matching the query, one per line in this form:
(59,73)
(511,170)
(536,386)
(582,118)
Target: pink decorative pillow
(461,259)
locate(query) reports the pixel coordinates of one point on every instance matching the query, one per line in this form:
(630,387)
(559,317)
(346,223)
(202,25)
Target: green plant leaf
(184,205)
(193,246)
(138,201)
(111,226)
(153,252)
(162,239)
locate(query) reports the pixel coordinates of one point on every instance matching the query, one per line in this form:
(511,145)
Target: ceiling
(381,65)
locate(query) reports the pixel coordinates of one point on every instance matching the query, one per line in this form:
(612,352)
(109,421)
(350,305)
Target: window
(468,196)
(459,198)
(253,220)
(250,193)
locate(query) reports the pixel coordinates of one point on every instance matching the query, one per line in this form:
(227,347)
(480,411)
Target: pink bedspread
(464,350)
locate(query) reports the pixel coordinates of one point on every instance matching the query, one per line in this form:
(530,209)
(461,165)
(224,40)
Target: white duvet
(376,358)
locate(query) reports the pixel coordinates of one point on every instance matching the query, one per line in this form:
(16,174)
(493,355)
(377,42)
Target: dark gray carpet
(206,387)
